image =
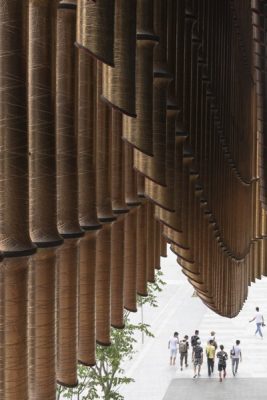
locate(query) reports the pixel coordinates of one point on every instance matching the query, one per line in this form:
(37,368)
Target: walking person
(197,358)
(194,340)
(172,345)
(210,353)
(212,337)
(223,357)
(259,322)
(183,350)
(236,356)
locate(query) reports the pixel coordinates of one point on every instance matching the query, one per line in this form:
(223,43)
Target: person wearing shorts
(197,358)
(222,356)
(172,346)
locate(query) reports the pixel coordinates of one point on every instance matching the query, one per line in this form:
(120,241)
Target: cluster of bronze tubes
(125,125)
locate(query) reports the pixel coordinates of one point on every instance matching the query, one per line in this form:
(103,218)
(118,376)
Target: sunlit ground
(179,311)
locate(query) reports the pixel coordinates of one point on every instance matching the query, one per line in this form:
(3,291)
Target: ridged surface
(87,312)
(143,126)
(67,312)
(41,114)
(14,215)
(130,239)
(117,272)
(42,325)
(119,82)
(102,291)
(95,30)
(13,329)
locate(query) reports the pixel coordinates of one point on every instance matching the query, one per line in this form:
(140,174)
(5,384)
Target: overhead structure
(125,125)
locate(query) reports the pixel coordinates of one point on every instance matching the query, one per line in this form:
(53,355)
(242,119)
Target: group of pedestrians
(211,351)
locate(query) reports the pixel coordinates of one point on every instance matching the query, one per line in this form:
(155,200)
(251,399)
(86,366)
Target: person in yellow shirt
(210,352)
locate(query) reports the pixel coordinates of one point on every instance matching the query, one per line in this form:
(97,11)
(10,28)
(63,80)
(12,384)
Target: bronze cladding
(139,131)
(95,28)
(142,125)
(14,370)
(157,244)
(117,165)
(141,250)
(67,182)
(102,291)
(103,155)
(119,82)
(150,250)
(41,115)
(43,210)
(87,313)
(105,215)
(131,189)
(130,239)
(42,325)
(119,208)
(67,200)
(117,272)
(155,167)
(14,216)
(67,312)
(86,137)
(14,198)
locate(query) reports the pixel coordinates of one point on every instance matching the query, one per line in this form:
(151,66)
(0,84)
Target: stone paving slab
(210,389)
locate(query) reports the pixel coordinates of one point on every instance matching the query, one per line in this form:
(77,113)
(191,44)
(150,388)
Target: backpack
(194,340)
(232,351)
(182,347)
(198,351)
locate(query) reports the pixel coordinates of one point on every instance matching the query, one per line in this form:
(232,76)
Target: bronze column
(15,240)
(43,218)
(67,199)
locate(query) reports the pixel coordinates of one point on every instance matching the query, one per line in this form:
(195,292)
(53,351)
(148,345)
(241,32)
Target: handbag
(232,351)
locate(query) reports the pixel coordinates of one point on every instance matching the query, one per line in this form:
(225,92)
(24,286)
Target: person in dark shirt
(222,356)
(197,358)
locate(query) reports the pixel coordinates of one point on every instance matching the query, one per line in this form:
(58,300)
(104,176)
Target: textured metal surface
(87,316)
(41,114)
(42,325)
(102,293)
(131,190)
(130,239)
(13,329)
(139,131)
(95,28)
(155,167)
(141,251)
(117,272)
(117,165)
(67,182)
(14,199)
(103,155)
(119,82)
(86,139)
(143,125)
(67,312)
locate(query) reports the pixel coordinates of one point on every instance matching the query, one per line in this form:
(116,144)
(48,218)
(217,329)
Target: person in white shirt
(172,345)
(236,356)
(259,321)
(212,337)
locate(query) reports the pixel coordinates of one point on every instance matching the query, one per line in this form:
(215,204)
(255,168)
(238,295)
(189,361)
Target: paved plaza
(179,311)
(233,389)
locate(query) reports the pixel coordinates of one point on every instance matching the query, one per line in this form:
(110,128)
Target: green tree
(103,381)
